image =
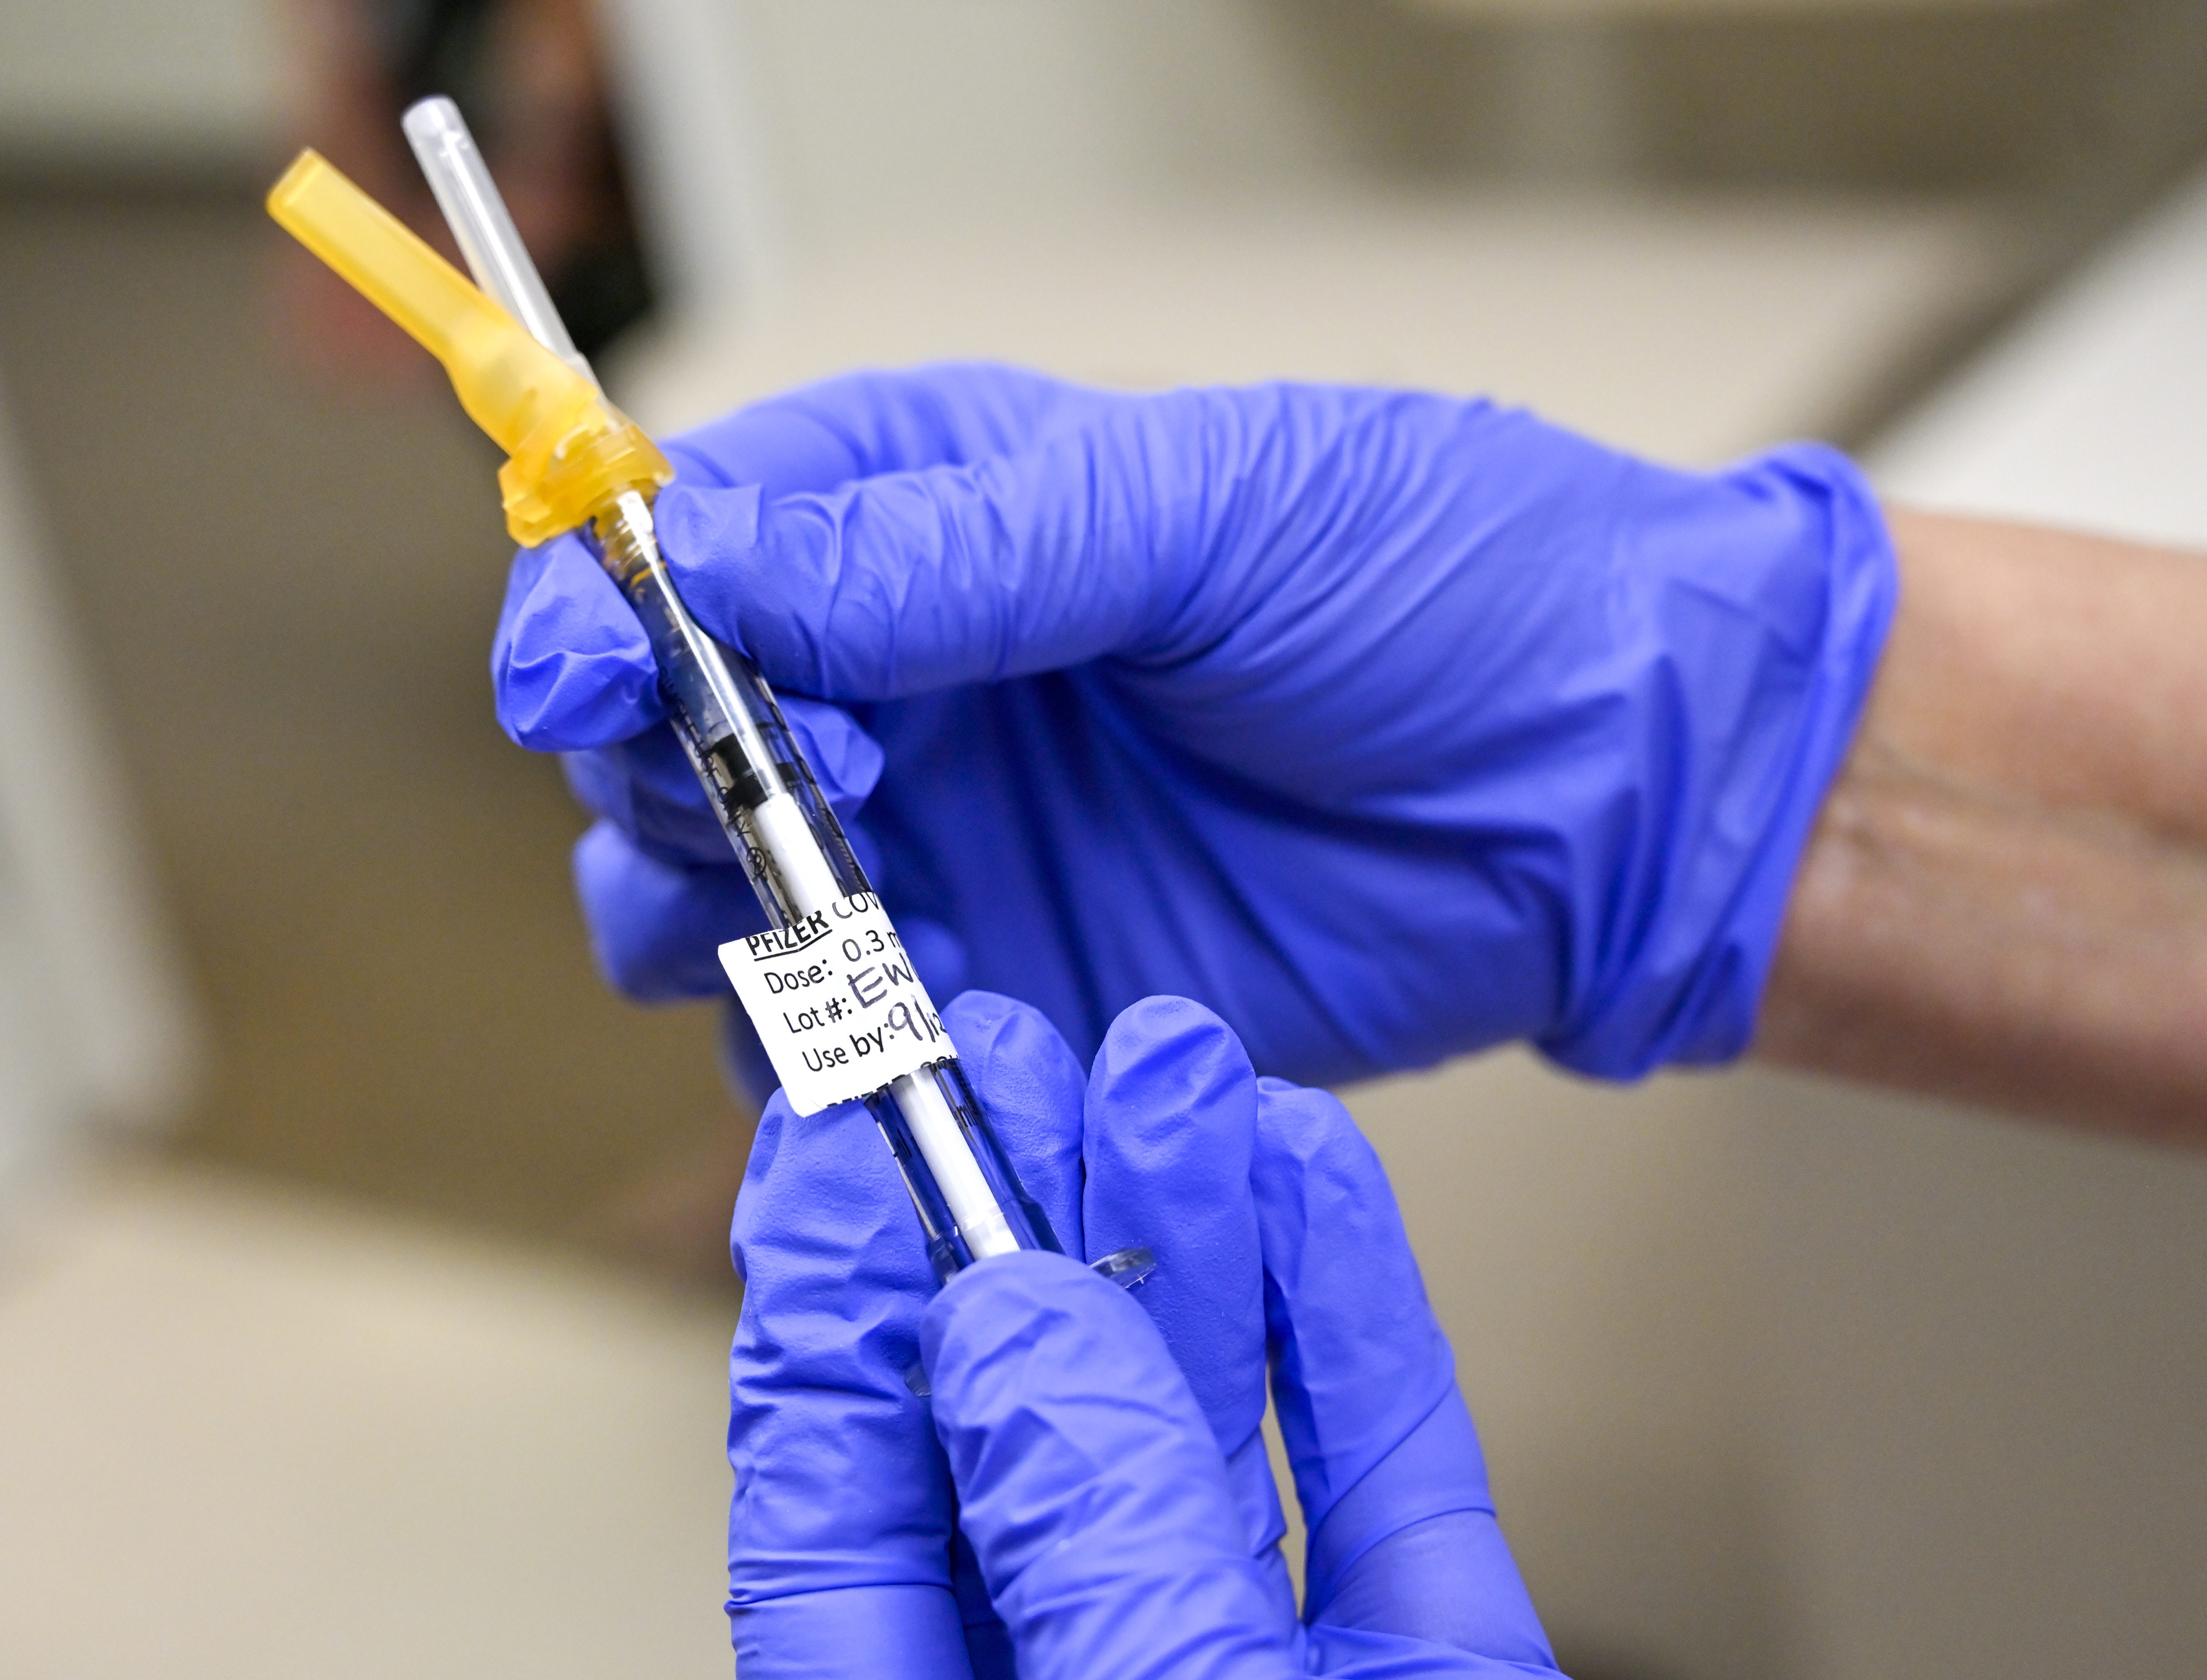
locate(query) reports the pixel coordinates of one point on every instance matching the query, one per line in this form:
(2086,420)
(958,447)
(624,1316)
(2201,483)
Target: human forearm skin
(2005,900)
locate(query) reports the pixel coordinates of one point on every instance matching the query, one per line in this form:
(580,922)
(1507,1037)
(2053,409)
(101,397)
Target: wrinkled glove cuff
(1769,597)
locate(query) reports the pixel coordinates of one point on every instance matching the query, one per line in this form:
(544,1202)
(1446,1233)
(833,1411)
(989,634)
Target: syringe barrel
(970,1201)
(725,717)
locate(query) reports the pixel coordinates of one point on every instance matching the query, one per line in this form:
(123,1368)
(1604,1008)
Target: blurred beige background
(372,1318)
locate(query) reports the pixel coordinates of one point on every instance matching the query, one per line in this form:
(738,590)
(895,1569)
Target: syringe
(576,461)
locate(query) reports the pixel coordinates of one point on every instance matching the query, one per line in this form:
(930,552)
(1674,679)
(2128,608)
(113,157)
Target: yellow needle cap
(571,452)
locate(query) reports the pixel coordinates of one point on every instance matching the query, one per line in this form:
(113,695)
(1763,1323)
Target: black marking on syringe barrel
(739,784)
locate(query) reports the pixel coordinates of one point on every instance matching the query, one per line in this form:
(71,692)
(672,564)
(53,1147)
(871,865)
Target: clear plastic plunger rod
(793,850)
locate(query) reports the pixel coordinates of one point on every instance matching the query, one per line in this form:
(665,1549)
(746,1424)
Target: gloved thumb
(1089,1482)
(1086,542)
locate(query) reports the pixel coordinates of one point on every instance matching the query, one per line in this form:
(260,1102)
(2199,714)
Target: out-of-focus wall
(811,126)
(166,83)
(1782,1379)
(829,123)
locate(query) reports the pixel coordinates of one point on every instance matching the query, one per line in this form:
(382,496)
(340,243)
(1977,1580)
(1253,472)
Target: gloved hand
(1099,1452)
(1389,725)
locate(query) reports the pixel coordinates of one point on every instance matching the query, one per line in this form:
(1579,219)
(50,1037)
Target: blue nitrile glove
(1389,725)
(1111,1484)
(840,1554)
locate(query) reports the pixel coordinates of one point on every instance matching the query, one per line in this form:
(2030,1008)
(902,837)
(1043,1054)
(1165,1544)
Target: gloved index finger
(1170,1125)
(1170,1121)
(570,666)
(1095,540)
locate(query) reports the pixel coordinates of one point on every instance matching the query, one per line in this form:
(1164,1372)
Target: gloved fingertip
(707,520)
(842,1506)
(706,534)
(1320,1186)
(570,665)
(1296,1124)
(1168,1126)
(696,467)
(758,1166)
(1163,1059)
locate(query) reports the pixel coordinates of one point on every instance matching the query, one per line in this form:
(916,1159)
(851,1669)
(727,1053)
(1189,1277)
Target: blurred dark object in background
(530,76)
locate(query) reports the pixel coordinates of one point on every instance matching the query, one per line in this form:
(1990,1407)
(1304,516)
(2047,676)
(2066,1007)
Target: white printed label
(836,1003)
